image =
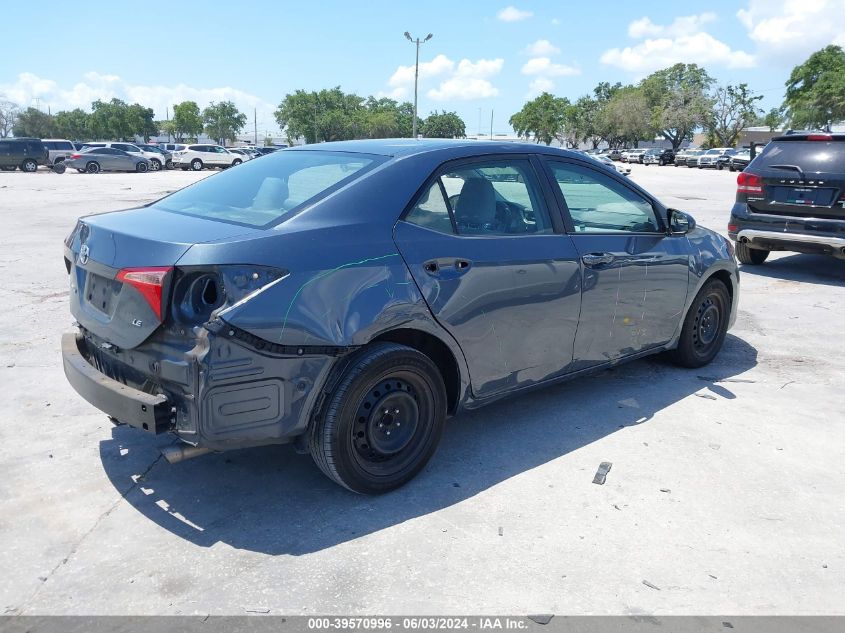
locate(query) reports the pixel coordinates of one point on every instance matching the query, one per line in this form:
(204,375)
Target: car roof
(403,147)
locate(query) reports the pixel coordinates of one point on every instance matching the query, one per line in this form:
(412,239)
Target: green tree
(34,123)
(111,120)
(815,90)
(327,115)
(223,121)
(9,112)
(677,97)
(774,119)
(268,141)
(541,118)
(141,121)
(734,108)
(187,121)
(626,118)
(72,124)
(443,125)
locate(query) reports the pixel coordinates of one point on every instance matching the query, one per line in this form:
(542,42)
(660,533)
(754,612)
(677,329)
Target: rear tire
(751,256)
(93,167)
(59,167)
(236,162)
(196,164)
(29,166)
(705,326)
(358,438)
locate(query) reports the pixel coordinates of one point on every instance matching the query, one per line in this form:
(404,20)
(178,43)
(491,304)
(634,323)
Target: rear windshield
(264,192)
(823,156)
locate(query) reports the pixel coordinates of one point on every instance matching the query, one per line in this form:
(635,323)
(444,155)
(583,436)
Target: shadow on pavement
(813,269)
(274,501)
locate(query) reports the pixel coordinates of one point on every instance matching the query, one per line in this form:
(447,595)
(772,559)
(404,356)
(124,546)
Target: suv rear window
(822,156)
(265,192)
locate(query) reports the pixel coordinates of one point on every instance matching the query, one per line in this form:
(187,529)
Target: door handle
(596,259)
(446,266)
(461,264)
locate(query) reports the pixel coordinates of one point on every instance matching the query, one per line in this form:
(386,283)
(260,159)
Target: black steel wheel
(382,422)
(704,327)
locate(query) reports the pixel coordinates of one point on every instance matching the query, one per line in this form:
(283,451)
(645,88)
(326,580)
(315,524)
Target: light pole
(417,41)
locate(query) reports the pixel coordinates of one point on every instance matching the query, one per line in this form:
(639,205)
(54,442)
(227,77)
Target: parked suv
(24,153)
(791,197)
(197,157)
(58,149)
(710,158)
(658,156)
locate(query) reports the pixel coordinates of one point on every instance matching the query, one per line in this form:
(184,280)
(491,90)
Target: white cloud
(683,40)
(545,67)
(402,80)
(555,22)
(791,28)
(681,26)
(538,86)
(50,93)
(464,80)
(542,48)
(512,14)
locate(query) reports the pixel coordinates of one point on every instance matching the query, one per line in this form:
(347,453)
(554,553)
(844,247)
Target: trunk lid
(801,178)
(101,246)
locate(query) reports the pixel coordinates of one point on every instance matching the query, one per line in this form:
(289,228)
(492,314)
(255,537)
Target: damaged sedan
(349,297)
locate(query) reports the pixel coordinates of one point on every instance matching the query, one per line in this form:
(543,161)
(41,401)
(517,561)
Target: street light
(417,41)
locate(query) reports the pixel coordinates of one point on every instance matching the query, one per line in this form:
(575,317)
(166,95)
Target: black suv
(26,153)
(791,197)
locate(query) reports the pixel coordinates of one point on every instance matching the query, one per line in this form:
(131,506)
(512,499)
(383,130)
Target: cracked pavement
(725,491)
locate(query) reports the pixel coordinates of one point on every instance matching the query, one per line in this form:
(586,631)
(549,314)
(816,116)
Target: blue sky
(484,55)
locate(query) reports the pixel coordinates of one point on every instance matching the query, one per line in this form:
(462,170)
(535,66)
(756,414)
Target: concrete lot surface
(725,496)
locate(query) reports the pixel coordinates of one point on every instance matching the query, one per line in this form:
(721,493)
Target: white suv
(155,159)
(59,149)
(197,157)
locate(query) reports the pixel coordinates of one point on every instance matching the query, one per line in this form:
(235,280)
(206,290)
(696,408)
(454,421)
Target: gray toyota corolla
(351,296)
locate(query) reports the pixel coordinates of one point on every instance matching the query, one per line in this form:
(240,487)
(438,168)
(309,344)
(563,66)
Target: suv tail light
(149,282)
(819,137)
(76,156)
(748,183)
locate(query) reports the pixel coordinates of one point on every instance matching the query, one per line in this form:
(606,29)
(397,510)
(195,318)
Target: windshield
(264,192)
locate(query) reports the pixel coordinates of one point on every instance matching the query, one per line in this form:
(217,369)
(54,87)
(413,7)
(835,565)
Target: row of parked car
(28,154)
(716,158)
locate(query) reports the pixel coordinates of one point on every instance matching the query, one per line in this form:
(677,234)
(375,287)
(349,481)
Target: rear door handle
(596,259)
(446,265)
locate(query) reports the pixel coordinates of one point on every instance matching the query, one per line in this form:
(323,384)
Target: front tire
(141,168)
(704,327)
(155,165)
(196,164)
(751,256)
(383,421)
(236,162)
(29,166)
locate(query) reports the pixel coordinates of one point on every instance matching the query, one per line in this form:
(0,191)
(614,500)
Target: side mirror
(679,223)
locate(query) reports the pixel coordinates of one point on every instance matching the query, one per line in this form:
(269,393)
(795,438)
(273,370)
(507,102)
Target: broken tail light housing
(149,282)
(749,183)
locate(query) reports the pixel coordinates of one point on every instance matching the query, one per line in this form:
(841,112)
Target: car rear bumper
(231,390)
(152,413)
(787,233)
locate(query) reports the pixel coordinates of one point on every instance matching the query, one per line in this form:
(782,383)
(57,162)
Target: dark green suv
(24,153)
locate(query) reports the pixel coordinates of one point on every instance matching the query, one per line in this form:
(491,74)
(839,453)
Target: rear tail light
(748,183)
(732,228)
(149,282)
(76,155)
(819,137)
